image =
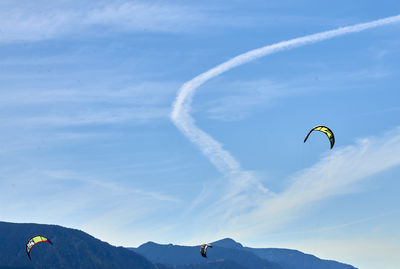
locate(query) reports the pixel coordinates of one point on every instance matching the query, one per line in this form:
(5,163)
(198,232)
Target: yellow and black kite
(33,241)
(325,130)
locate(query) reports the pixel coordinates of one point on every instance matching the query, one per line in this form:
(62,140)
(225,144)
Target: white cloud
(246,213)
(236,100)
(243,191)
(181,108)
(141,93)
(24,21)
(138,103)
(43,19)
(62,197)
(112,116)
(144,16)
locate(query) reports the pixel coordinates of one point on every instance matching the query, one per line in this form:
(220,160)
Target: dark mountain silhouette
(228,251)
(189,257)
(218,264)
(287,258)
(12,267)
(294,259)
(75,249)
(71,249)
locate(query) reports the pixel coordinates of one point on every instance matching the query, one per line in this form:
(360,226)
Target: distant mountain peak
(228,243)
(149,244)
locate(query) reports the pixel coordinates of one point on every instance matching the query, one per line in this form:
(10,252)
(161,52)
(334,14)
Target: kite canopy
(326,131)
(203,249)
(33,241)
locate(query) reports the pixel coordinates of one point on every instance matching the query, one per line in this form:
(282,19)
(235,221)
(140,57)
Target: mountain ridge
(233,251)
(73,248)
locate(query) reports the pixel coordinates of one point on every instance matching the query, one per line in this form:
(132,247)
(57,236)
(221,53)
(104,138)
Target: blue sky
(87,93)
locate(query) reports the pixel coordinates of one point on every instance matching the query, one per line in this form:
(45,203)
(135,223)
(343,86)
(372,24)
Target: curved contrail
(211,148)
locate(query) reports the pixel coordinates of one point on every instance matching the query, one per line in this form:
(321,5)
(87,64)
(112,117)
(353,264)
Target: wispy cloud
(144,16)
(235,100)
(140,93)
(94,117)
(80,106)
(245,193)
(240,97)
(331,176)
(27,22)
(245,214)
(44,19)
(61,196)
(181,117)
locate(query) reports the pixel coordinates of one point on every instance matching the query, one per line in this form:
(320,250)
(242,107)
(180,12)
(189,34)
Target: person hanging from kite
(203,249)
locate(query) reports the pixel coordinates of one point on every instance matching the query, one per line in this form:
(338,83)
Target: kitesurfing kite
(33,241)
(203,250)
(325,130)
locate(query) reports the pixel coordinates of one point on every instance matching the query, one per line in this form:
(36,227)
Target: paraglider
(203,250)
(33,241)
(325,130)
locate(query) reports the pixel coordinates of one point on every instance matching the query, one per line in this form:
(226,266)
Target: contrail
(211,148)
